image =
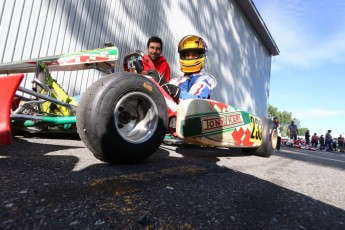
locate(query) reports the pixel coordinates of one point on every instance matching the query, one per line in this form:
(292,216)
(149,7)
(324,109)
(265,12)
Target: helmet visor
(192,54)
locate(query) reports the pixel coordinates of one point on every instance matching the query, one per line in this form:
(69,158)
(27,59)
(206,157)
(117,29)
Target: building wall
(236,55)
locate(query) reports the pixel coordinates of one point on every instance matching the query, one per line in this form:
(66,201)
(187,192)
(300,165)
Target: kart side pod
(212,123)
(8,87)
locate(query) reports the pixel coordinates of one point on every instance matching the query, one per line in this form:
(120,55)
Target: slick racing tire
(269,140)
(122,118)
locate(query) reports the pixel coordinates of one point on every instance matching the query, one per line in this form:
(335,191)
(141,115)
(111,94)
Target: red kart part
(8,87)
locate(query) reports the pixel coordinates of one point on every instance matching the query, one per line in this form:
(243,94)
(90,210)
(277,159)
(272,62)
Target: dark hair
(155,39)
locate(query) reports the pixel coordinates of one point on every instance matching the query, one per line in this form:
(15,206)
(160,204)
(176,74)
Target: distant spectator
(340,142)
(292,131)
(307,137)
(328,141)
(314,140)
(322,142)
(276,122)
(334,144)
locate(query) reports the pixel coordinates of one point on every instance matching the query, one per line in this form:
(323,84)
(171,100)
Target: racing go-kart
(124,116)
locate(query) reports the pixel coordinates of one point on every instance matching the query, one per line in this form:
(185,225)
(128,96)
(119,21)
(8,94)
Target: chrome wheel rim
(136,117)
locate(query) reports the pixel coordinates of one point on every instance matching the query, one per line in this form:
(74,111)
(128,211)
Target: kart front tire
(122,118)
(269,141)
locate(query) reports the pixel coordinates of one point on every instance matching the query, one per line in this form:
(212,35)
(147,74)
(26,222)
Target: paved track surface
(55,182)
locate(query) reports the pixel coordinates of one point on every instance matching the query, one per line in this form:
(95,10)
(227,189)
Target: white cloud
(320,120)
(293,25)
(310,36)
(318,113)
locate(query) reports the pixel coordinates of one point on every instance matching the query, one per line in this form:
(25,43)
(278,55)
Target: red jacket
(163,67)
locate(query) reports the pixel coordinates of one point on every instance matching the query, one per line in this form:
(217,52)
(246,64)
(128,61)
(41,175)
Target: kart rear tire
(122,118)
(269,141)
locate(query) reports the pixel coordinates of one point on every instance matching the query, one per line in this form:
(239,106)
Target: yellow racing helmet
(192,43)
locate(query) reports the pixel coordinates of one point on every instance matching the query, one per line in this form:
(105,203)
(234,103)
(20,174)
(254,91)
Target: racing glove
(173,90)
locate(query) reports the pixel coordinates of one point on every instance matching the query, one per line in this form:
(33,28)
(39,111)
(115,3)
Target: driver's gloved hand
(159,78)
(173,90)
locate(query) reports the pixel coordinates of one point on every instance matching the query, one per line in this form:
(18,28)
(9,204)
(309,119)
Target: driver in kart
(194,83)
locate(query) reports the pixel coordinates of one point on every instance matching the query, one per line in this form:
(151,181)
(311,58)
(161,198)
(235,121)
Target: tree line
(284,119)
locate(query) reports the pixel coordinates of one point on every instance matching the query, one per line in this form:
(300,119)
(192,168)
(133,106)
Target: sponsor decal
(249,136)
(148,86)
(256,129)
(214,123)
(242,137)
(219,106)
(225,121)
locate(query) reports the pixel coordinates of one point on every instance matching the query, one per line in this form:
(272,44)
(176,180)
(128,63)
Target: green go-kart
(124,116)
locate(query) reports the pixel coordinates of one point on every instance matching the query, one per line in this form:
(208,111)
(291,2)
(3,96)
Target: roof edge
(259,25)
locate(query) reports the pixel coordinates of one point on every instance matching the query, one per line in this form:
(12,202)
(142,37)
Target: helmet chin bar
(192,66)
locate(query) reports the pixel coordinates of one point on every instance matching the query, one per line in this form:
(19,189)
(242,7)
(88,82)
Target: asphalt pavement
(54,182)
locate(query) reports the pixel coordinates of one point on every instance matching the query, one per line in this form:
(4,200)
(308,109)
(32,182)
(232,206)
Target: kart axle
(34,120)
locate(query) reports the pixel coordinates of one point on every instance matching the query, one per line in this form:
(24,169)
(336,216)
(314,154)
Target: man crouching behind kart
(194,83)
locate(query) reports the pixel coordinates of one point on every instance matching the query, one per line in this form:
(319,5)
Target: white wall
(236,57)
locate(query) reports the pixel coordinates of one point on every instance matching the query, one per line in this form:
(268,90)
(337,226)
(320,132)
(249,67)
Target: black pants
(314,143)
(329,146)
(322,146)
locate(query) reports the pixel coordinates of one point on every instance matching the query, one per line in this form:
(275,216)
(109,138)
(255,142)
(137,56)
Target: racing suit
(196,85)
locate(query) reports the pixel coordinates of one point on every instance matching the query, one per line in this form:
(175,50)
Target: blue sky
(308,76)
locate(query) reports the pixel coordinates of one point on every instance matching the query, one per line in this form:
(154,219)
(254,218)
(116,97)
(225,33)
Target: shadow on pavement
(41,190)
